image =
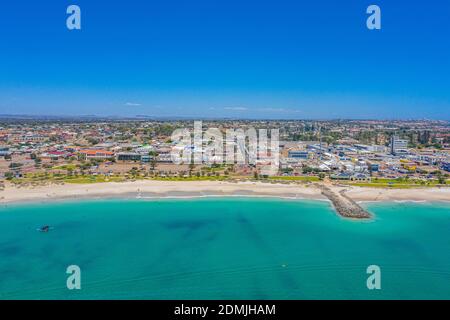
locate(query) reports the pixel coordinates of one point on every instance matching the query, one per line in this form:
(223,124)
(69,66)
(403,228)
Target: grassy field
(42,178)
(38,178)
(93,179)
(65,167)
(295,178)
(191,178)
(396,183)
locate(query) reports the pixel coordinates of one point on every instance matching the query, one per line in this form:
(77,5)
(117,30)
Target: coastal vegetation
(400,183)
(69,174)
(295,178)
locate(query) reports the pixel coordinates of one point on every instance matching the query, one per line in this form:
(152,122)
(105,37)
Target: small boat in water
(44,229)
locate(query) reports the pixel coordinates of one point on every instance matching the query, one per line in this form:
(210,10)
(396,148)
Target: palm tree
(191,168)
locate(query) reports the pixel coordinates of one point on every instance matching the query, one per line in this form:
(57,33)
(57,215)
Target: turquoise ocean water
(223,248)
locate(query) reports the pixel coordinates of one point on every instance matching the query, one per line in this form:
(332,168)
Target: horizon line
(27,116)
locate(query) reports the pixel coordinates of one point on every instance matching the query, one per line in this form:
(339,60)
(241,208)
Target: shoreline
(204,189)
(155,190)
(156,198)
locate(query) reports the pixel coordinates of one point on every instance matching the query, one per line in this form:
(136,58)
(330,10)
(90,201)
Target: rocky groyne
(344,205)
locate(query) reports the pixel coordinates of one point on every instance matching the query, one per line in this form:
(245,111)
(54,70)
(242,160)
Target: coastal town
(362,153)
(225,159)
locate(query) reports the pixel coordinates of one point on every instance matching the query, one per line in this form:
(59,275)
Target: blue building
(446,166)
(298,154)
(4,151)
(146,158)
(129,156)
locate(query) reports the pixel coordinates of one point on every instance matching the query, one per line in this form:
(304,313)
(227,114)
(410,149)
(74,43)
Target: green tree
(9,175)
(441,178)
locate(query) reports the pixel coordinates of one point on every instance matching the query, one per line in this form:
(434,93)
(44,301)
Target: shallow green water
(217,248)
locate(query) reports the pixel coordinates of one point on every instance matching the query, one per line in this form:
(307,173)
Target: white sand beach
(164,189)
(383,194)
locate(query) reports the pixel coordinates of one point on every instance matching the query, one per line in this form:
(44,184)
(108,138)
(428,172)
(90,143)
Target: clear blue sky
(226,58)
